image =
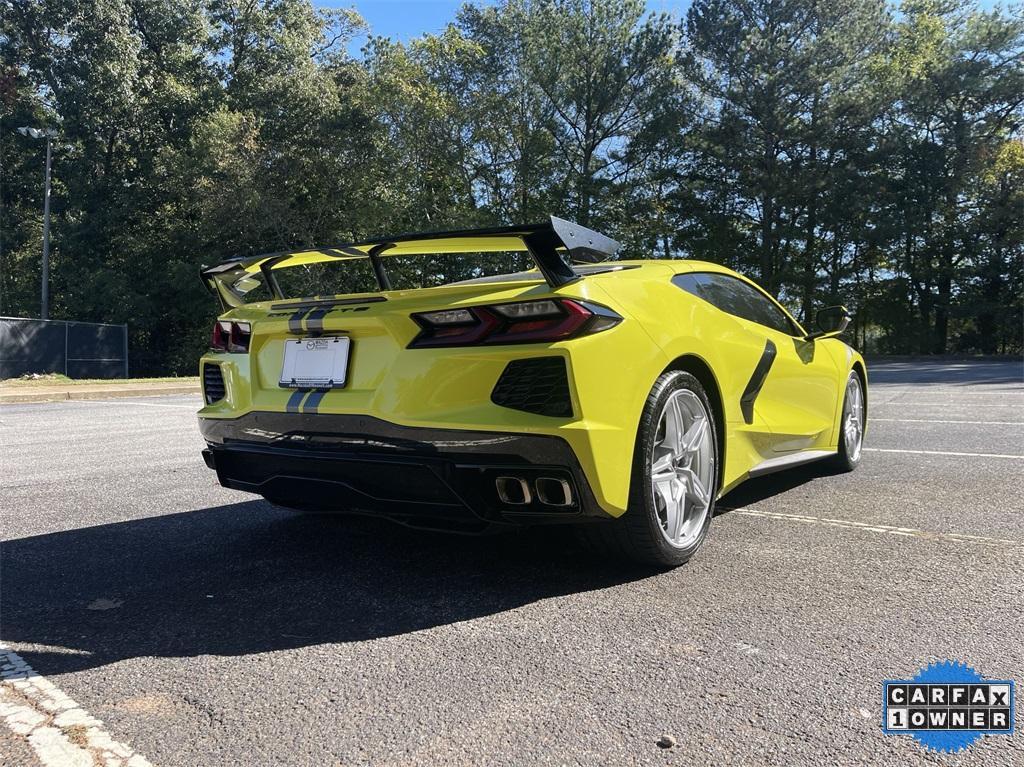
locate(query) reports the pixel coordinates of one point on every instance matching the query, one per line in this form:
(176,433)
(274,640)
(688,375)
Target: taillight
(523,322)
(230,336)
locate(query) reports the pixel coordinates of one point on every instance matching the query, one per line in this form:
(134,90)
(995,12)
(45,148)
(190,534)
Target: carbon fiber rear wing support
(546,244)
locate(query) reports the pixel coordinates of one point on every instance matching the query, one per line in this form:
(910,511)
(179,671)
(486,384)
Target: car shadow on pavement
(248,578)
(761,488)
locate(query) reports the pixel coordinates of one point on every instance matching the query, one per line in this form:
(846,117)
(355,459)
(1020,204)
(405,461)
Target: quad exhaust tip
(513,490)
(554,492)
(551,491)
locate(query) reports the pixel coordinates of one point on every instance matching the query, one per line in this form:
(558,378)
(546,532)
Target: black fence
(76,349)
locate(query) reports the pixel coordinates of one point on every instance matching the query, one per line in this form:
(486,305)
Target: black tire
(637,534)
(845,459)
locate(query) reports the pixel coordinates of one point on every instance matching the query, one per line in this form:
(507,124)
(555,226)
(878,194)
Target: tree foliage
(840,152)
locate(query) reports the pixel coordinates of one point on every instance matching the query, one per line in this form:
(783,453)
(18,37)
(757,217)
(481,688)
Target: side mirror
(831,321)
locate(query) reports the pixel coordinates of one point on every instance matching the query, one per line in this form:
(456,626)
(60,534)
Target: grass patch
(77,734)
(57,379)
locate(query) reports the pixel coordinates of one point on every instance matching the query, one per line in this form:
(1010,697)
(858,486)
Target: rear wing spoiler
(554,246)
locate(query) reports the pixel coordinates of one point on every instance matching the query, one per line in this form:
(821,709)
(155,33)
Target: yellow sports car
(624,396)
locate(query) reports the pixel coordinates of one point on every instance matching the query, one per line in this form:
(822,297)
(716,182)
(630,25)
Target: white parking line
(127,401)
(61,732)
(935,420)
(940,452)
(911,532)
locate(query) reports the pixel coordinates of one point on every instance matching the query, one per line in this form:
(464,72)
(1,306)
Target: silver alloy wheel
(683,468)
(853,418)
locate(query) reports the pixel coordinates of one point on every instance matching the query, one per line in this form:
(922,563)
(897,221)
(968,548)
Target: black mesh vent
(537,385)
(213,384)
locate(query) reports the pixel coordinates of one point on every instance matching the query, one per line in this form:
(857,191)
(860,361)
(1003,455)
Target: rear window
(404,272)
(434,270)
(327,279)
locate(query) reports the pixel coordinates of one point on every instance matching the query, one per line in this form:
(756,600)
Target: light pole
(49,135)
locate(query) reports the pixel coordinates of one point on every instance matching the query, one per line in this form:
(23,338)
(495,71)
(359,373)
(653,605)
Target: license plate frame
(315,362)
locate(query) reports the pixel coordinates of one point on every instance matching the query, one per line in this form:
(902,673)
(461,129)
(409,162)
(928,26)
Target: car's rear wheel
(851,436)
(674,480)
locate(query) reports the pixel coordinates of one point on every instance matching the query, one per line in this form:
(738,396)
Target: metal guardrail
(76,349)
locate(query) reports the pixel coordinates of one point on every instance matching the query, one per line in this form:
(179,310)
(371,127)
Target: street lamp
(48,134)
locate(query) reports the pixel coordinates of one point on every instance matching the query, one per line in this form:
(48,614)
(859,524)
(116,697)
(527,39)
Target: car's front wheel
(674,480)
(851,435)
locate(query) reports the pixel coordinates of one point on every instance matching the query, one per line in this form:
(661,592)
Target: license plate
(315,363)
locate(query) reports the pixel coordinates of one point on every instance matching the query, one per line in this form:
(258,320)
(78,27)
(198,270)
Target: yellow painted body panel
(611,372)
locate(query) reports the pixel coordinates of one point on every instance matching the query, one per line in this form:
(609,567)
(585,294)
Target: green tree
(782,82)
(605,72)
(516,169)
(959,76)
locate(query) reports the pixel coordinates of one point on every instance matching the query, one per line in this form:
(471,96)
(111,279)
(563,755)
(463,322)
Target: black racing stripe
(756,381)
(315,320)
(313,401)
(295,322)
(295,399)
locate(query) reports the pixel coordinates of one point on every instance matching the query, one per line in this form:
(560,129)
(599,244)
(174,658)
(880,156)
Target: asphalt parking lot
(203,627)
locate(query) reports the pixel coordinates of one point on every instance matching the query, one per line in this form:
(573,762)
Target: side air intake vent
(537,385)
(213,384)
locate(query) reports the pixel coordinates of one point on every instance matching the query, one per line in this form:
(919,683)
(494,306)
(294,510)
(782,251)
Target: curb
(12,398)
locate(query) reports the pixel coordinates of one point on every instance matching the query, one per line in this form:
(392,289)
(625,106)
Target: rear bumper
(432,477)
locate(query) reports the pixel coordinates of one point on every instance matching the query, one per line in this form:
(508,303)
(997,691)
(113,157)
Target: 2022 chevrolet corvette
(625,396)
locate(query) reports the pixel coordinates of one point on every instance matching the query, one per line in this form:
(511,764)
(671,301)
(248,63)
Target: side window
(737,298)
(690,282)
